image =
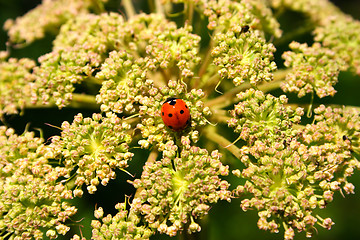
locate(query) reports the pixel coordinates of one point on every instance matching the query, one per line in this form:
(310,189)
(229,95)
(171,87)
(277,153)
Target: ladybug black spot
(170,115)
(162,113)
(181,111)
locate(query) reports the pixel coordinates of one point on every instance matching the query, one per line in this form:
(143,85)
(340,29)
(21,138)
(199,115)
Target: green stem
(219,116)
(83,100)
(151,158)
(129,8)
(38,105)
(230,96)
(309,111)
(227,98)
(306,28)
(267,87)
(98,6)
(93,80)
(159,8)
(190,12)
(207,60)
(211,134)
(211,82)
(280,75)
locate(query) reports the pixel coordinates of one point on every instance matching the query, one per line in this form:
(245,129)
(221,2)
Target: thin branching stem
(212,135)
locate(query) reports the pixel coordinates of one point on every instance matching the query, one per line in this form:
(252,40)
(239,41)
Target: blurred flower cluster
(223,58)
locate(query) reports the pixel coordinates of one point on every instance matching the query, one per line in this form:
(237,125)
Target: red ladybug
(175,114)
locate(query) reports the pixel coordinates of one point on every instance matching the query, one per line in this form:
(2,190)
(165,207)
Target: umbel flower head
(16,79)
(106,41)
(339,34)
(317,11)
(93,148)
(334,143)
(232,15)
(289,179)
(153,130)
(45,18)
(79,49)
(259,116)
(242,54)
(315,69)
(284,180)
(177,189)
(244,57)
(121,226)
(128,66)
(32,199)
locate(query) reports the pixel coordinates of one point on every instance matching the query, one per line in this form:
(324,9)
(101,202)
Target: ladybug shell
(175,114)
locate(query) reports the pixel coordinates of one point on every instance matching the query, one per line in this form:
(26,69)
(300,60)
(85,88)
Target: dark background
(225,221)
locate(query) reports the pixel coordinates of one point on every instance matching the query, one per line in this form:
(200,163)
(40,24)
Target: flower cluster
(288,179)
(340,35)
(16,79)
(177,189)
(224,15)
(128,78)
(124,82)
(31,197)
(286,186)
(45,18)
(127,65)
(93,148)
(263,117)
(242,54)
(152,128)
(244,57)
(316,10)
(314,69)
(121,226)
(334,29)
(79,50)
(334,140)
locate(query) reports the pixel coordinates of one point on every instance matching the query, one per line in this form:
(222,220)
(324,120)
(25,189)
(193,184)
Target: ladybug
(175,114)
